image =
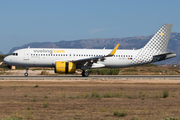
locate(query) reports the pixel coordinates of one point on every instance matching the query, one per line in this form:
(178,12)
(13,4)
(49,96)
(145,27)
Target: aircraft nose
(6,60)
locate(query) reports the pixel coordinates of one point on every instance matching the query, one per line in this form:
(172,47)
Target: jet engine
(65,67)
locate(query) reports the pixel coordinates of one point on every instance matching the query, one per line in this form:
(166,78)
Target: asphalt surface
(79,77)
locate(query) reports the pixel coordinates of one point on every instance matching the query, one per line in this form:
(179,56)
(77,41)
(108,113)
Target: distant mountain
(109,43)
(97,43)
(1,53)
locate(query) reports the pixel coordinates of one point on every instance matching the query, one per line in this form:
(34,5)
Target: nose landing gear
(26,74)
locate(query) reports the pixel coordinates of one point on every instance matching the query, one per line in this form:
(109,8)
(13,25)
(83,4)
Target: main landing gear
(85,73)
(26,74)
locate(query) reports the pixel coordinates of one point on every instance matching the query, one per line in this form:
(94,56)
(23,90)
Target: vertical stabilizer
(157,45)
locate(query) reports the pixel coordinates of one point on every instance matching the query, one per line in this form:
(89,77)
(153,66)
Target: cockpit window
(14,54)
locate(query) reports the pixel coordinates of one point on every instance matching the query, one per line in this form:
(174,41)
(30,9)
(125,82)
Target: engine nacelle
(65,67)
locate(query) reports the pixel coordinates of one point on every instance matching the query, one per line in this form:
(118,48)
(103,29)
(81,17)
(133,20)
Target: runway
(79,77)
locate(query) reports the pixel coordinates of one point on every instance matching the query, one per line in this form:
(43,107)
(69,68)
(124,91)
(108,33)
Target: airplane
(67,61)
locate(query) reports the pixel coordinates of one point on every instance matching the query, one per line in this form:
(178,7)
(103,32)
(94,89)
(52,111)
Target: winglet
(114,50)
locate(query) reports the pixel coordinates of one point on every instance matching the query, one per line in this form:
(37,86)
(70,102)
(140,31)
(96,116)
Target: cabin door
(26,55)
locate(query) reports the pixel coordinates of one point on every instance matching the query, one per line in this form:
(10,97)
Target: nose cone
(6,60)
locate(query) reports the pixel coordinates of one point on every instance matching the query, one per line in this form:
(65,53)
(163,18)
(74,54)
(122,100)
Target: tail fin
(156,46)
(158,43)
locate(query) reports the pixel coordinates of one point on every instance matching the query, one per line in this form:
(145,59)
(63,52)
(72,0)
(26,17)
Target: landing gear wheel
(85,73)
(25,74)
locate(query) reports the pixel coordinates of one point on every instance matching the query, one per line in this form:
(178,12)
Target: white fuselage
(46,57)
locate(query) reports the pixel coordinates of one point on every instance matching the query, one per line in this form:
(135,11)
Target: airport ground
(137,93)
(95,98)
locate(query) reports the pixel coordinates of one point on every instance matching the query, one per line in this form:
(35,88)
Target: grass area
(123,113)
(12,119)
(44,72)
(89,100)
(105,71)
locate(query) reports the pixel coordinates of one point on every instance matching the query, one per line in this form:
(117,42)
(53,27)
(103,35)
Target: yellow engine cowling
(65,67)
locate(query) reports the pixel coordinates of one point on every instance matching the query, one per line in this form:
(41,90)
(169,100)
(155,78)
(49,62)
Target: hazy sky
(25,21)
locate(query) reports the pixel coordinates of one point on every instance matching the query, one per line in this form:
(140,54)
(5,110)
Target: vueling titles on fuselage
(49,51)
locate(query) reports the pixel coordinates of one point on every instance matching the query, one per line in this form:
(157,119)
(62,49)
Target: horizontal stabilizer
(163,56)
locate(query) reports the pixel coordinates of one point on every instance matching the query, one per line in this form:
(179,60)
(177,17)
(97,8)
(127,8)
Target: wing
(92,60)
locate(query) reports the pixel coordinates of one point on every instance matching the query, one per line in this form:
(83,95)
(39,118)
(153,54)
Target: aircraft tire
(25,74)
(85,73)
